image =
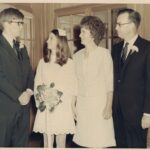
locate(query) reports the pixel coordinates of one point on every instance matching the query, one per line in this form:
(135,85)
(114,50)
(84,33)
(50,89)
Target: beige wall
(144,10)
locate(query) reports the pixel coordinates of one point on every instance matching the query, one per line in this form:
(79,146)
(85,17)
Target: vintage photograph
(74,75)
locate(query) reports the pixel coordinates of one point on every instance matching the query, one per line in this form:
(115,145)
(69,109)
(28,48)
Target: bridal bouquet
(51,97)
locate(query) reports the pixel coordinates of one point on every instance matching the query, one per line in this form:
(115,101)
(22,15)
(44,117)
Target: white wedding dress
(61,120)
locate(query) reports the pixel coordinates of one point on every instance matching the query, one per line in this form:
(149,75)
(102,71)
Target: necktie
(124,52)
(16,47)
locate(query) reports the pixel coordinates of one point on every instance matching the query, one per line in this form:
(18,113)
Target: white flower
(21,45)
(51,97)
(134,49)
(61,32)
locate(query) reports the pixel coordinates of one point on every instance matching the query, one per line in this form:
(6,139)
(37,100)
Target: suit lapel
(126,61)
(119,55)
(130,55)
(5,44)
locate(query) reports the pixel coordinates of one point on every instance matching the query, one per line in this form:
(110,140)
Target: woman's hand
(74,99)
(107,113)
(74,114)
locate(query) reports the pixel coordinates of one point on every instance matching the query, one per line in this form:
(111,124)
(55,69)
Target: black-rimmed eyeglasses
(18,22)
(121,24)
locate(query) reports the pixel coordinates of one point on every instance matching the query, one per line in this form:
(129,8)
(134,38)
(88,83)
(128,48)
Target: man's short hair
(134,16)
(9,14)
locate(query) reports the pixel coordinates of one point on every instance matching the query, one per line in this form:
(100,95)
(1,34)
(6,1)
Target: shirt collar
(132,41)
(9,39)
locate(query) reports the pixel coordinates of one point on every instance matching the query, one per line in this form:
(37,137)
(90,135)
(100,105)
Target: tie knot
(124,52)
(16,47)
(126,44)
(15,43)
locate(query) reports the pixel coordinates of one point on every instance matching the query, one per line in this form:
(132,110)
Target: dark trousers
(128,135)
(14,128)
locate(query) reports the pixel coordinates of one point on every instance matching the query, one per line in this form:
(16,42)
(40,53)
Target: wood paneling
(44,19)
(82,8)
(43,23)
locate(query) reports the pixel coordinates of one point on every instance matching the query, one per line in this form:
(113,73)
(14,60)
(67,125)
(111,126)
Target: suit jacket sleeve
(108,70)
(6,87)
(30,81)
(147,82)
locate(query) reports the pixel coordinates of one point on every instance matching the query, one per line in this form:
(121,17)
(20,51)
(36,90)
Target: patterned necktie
(124,52)
(16,47)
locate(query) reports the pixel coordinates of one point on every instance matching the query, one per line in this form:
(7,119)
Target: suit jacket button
(118,81)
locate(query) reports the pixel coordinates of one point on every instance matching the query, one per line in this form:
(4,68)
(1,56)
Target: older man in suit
(16,82)
(131,104)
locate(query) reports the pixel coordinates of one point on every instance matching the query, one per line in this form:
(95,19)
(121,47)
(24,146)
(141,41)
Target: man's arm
(146,114)
(147,82)
(6,87)
(30,81)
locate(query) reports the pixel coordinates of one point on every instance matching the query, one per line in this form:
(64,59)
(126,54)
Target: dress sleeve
(74,76)
(108,71)
(38,80)
(72,79)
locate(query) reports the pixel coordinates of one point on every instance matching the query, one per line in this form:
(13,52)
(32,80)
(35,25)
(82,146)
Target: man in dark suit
(16,82)
(131,103)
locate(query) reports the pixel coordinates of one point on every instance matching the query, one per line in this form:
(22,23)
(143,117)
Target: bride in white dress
(94,71)
(56,69)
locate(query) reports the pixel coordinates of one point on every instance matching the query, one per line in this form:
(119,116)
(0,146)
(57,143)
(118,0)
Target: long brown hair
(63,51)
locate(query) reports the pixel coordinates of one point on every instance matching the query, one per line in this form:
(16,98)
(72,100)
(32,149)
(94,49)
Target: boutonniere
(21,45)
(134,49)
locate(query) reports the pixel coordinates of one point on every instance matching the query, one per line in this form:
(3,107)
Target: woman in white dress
(55,72)
(94,71)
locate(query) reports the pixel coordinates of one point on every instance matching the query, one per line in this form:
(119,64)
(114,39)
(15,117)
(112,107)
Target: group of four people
(110,100)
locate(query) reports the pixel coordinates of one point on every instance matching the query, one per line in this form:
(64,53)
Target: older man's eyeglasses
(122,24)
(17,22)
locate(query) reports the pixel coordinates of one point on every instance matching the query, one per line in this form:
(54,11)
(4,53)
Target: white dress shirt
(131,43)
